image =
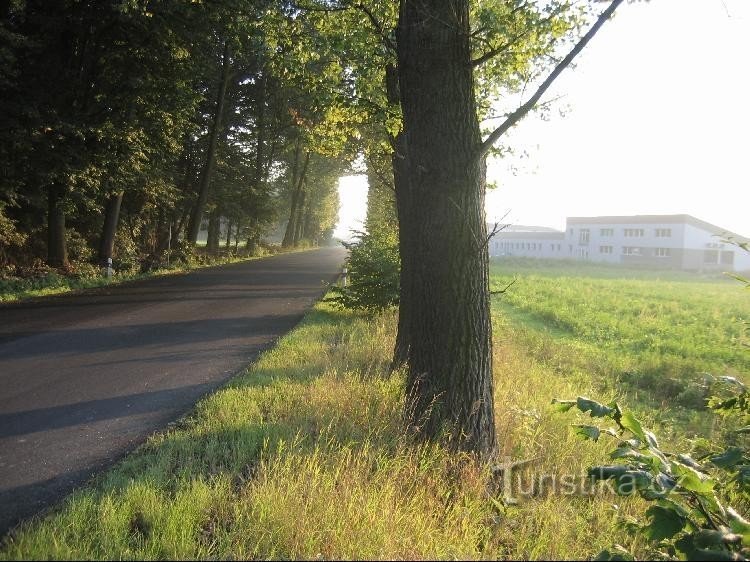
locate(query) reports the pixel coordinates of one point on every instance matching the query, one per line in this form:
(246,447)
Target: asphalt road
(85,378)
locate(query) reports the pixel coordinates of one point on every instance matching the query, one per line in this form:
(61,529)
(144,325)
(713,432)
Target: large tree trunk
(407,247)
(450,352)
(403,194)
(208,167)
(57,249)
(109,230)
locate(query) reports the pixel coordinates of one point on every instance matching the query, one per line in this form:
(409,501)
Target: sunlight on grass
(304,455)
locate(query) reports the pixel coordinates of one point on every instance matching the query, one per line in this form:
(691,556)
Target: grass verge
(304,456)
(55,283)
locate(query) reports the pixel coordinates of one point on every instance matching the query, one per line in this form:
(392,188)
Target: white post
(343,277)
(109,268)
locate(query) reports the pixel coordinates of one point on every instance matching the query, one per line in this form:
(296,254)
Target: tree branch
(522,110)
(387,41)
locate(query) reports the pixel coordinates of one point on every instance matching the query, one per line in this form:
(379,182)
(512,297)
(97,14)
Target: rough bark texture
(109,230)
(57,249)
(402,193)
(208,167)
(449,331)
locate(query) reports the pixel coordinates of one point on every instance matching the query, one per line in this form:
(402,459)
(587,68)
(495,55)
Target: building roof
(546,235)
(658,219)
(527,232)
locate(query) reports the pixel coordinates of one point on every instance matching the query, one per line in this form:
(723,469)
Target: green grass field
(304,455)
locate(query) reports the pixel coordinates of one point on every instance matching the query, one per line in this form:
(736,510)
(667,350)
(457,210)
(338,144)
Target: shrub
(688,516)
(373,273)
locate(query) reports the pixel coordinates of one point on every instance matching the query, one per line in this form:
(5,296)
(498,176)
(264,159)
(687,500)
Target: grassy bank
(304,455)
(48,281)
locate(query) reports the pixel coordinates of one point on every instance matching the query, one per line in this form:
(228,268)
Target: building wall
(676,242)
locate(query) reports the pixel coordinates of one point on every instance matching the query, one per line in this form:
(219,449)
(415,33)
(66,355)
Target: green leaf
(632,424)
(729,458)
(664,523)
(629,453)
(595,409)
(687,460)
(632,481)
(707,538)
(692,480)
(607,472)
(738,524)
(592,432)
(588,432)
(687,546)
(563,405)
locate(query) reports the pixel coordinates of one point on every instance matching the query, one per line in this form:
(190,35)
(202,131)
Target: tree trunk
(297,179)
(229,235)
(57,250)
(402,191)
(109,230)
(214,232)
(406,245)
(208,167)
(449,380)
(299,219)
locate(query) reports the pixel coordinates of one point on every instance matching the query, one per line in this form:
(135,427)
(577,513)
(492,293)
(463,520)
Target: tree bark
(449,380)
(297,178)
(208,167)
(109,230)
(214,231)
(57,250)
(402,190)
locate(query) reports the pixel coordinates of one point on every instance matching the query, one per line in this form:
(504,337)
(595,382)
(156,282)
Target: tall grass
(304,456)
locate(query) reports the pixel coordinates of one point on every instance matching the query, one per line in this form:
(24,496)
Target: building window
(583,236)
(630,251)
(605,249)
(558,247)
(710,256)
(727,257)
(663,232)
(607,232)
(662,252)
(633,232)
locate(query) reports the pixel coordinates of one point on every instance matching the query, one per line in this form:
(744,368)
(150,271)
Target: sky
(653,119)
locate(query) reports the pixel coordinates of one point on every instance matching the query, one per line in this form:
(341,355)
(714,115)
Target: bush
(373,273)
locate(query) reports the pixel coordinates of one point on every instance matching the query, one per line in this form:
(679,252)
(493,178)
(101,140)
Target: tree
(449,333)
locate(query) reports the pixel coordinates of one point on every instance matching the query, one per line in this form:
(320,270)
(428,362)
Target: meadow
(304,455)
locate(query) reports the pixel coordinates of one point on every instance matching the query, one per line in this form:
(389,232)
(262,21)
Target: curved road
(85,378)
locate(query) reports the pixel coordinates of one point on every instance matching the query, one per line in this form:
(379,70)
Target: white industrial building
(660,241)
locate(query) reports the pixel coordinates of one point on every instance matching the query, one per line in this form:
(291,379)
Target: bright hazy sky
(656,122)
